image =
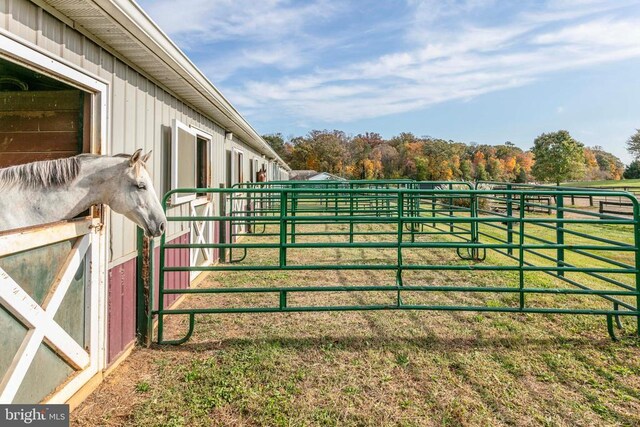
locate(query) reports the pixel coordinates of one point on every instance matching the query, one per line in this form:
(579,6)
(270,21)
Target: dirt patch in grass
(375,367)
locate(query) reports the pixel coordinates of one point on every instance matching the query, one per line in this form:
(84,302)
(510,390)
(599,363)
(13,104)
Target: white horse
(55,190)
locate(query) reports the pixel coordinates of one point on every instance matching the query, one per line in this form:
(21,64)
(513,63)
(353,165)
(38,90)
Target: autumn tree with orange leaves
(369,156)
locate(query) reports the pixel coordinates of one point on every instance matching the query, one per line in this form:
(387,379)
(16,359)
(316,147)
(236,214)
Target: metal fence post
(161,277)
(399,237)
(283,229)
(560,231)
(509,223)
(451,209)
(636,232)
(521,251)
(222,253)
(294,207)
(350,214)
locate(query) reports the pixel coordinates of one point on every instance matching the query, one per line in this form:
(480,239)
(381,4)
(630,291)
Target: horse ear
(146,156)
(135,157)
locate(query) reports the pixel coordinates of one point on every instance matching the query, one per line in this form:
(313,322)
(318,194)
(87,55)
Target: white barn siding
(142,102)
(140,112)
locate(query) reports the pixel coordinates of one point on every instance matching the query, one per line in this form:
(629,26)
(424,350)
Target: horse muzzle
(159,229)
(155,228)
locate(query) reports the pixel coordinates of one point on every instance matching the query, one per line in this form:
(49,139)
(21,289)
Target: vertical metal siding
(140,116)
(122,295)
(175,279)
(121,308)
(118,134)
(4,13)
(140,113)
(23,20)
(50,34)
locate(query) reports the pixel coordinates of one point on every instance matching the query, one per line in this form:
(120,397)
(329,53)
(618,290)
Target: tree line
(633,146)
(555,157)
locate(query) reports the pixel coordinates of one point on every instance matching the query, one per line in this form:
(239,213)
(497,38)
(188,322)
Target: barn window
(40,118)
(203,163)
(190,161)
(228,168)
(183,161)
(238,166)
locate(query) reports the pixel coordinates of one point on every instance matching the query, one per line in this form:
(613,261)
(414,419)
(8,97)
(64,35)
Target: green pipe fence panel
(549,257)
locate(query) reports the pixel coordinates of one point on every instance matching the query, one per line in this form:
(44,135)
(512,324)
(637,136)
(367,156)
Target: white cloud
(598,33)
(280,56)
(461,63)
(445,50)
(267,33)
(203,21)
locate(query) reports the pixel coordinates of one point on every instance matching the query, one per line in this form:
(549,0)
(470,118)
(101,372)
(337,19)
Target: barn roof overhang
(123,27)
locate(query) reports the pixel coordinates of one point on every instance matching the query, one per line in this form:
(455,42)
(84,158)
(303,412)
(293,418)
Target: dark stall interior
(41,118)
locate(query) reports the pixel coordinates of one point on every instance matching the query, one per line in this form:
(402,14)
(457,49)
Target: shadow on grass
(374,342)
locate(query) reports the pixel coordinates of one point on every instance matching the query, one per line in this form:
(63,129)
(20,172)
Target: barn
(84,76)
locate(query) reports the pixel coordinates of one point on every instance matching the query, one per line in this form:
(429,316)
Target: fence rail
(527,231)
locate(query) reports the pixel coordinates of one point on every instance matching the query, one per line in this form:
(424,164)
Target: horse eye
(141,186)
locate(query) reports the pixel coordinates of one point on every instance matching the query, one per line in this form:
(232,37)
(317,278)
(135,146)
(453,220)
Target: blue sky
(483,71)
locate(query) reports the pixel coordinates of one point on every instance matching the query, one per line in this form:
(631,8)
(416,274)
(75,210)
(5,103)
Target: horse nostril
(162,226)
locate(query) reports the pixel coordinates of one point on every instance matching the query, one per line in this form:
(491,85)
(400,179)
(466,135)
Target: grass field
(380,368)
(609,183)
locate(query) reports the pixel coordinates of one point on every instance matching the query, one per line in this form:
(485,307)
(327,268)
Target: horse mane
(42,174)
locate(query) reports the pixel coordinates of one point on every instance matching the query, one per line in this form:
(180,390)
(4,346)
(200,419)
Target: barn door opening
(40,118)
(53,300)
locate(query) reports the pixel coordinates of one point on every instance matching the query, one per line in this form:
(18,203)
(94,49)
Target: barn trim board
(141,88)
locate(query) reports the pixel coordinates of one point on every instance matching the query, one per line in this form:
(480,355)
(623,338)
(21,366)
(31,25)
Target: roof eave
(133,21)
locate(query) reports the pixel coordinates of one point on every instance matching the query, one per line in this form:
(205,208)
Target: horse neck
(94,185)
(97,182)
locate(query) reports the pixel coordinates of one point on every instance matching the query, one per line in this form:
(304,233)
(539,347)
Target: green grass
(608,183)
(384,368)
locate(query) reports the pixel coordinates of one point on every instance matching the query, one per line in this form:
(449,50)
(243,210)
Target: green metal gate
(519,232)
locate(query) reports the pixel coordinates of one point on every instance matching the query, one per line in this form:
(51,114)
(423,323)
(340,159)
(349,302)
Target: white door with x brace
(201,233)
(49,303)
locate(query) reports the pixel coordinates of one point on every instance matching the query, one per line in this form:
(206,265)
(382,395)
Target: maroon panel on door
(173,279)
(121,308)
(121,323)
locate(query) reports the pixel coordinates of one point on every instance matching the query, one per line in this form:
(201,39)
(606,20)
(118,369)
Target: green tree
(481,173)
(633,170)
(494,169)
(558,157)
(320,150)
(609,165)
(422,168)
(522,177)
(276,141)
(466,169)
(633,144)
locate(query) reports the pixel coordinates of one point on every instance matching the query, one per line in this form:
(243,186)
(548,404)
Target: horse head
(262,175)
(135,197)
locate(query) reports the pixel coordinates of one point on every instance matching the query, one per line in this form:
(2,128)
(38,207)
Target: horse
(55,190)
(261,176)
